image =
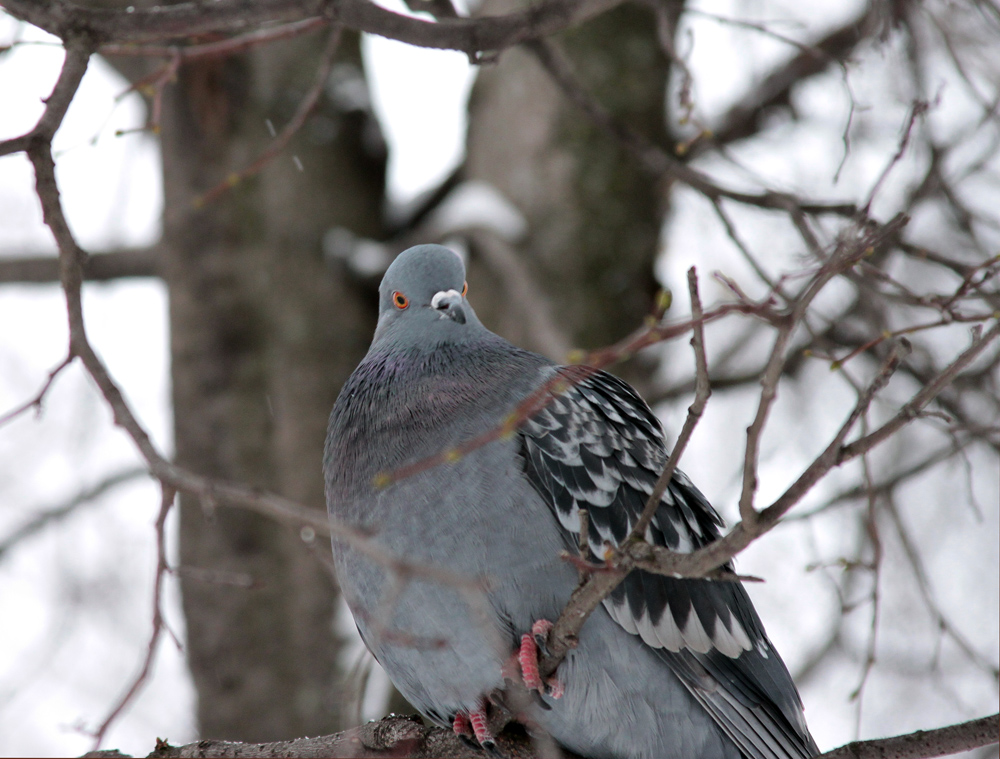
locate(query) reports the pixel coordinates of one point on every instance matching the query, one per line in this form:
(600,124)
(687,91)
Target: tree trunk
(263,333)
(593,216)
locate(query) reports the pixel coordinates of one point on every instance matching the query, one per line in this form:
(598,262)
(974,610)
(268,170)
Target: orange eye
(400,300)
(465,289)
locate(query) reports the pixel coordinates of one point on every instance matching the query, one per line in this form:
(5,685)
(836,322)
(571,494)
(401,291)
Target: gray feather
(668,667)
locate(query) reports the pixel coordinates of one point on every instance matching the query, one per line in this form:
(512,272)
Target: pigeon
(666,667)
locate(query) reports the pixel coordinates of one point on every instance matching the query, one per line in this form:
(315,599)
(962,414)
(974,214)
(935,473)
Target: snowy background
(75,598)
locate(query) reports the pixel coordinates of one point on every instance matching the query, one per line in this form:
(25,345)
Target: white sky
(80,593)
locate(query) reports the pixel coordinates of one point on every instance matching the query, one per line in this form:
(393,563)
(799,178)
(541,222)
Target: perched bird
(667,667)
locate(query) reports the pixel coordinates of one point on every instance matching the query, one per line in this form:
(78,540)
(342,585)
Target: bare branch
(220,48)
(166,504)
(918,109)
(99,267)
(407,736)
(654,158)
(703,389)
(842,259)
(36,401)
(924,743)
(717,553)
(921,399)
(78,50)
(744,119)
(924,584)
(391,736)
(471,36)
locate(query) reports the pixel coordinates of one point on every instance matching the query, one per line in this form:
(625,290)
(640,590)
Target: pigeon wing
(598,446)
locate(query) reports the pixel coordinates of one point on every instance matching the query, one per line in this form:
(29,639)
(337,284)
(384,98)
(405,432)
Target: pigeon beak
(449,304)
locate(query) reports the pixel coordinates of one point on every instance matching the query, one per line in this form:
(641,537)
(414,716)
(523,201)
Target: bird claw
(531,644)
(473,729)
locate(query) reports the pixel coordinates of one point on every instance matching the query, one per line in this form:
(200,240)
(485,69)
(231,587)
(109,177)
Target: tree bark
(262,336)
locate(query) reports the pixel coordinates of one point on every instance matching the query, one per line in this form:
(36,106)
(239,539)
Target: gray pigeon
(667,668)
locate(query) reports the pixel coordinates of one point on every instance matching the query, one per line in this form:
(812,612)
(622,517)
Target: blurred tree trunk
(263,333)
(593,216)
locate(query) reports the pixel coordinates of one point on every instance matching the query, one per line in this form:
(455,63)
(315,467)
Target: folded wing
(599,447)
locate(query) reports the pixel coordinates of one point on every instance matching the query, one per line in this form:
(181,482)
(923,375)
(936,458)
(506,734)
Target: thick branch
(924,743)
(99,267)
(391,736)
(406,736)
(472,36)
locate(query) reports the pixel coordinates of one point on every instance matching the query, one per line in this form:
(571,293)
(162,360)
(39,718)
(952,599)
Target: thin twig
(167,501)
(921,399)
(874,566)
(703,389)
(918,109)
(924,584)
(842,259)
(36,401)
(717,553)
(219,49)
(659,162)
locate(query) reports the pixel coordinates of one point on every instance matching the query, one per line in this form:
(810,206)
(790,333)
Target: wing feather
(599,447)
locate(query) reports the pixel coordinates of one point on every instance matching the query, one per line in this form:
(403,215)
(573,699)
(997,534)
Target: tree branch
(78,50)
(703,389)
(471,36)
(657,160)
(924,743)
(919,401)
(166,503)
(98,267)
(406,736)
(743,119)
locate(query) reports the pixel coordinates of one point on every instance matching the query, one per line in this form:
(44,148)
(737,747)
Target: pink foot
(461,726)
(527,656)
(475,724)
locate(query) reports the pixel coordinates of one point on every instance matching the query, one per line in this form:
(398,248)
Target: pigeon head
(422,299)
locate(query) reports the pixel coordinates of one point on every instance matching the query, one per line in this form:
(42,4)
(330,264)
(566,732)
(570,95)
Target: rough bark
(393,736)
(262,336)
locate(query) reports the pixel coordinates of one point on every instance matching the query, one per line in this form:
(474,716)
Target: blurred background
(230,326)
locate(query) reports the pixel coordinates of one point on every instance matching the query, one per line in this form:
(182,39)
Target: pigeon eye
(465,289)
(400,300)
